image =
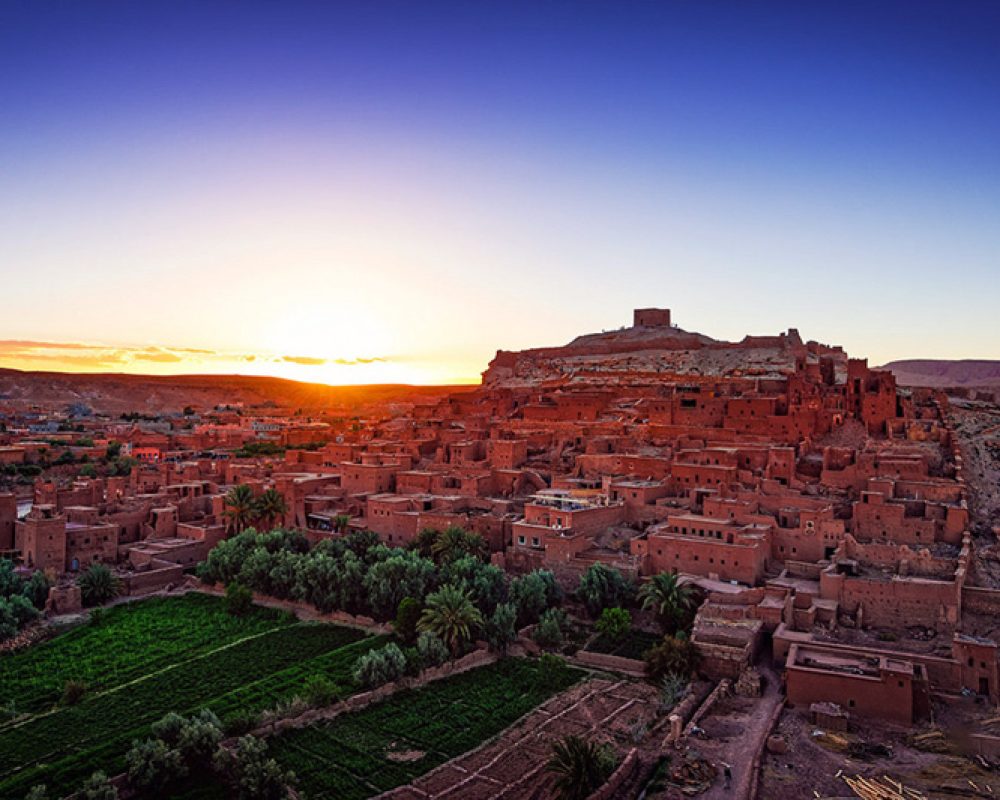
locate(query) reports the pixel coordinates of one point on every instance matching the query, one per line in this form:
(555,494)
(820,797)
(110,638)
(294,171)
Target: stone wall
(628,666)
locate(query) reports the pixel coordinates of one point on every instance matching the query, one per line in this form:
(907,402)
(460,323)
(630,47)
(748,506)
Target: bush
(320,691)
(414,662)
(153,767)
(239,599)
(614,623)
(36,589)
(548,632)
(73,692)
(673,688)
(675,655)
(407,617)
(241,722)
(98,787)
(550,670)
(501,628)
(254,775)
(198,738)
(433,652)
(98,585)
(378,667)
(533,593)
(15,612)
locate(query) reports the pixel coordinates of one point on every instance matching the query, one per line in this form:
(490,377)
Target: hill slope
(114,393)
(933,372)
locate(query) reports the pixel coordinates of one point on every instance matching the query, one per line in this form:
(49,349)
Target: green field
(347,758)
(207,660)
(132,640)
(632,645)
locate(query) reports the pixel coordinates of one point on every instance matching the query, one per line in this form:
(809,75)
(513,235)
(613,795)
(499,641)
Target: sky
(367,192)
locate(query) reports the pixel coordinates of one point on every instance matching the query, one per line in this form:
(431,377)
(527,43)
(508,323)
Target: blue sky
(398,190)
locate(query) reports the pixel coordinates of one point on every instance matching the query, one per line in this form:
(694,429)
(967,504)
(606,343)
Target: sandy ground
(814,766)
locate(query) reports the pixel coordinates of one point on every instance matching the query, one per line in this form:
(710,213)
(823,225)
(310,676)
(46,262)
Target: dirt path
(736,729)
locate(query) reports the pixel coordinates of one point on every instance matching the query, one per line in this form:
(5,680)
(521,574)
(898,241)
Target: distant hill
(115,393)
(936,373)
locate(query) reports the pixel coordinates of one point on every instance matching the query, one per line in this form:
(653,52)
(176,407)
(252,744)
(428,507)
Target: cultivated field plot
(388,745)
(632,645)
(513,766)
(269,664)
(131,640)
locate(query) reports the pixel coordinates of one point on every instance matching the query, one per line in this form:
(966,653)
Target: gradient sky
(366,192)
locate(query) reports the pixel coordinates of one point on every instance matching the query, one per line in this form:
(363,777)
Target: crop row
(63,747)
(350,757)
(632,645)
(131,640)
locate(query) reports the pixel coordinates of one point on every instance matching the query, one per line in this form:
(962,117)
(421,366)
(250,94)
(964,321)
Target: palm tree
(454,542)
(450,614)
(240,508)
(580,767)
(98,585)
(270,506)
(669,598)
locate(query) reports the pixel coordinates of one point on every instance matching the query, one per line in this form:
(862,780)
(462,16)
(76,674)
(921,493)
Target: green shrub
(501,628)
(433,652)
(98,787)
(675,655)
(73,692)
(551,670)
(319,691)
(407,617)
(378,667)
(36,589)
(239,599)
(614,623)
(240,722)
(154,767)
(548,633)
(254,775)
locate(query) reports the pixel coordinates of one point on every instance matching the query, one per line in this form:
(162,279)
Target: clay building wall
(40,538)
(885,690)
(368,478)
(8,516)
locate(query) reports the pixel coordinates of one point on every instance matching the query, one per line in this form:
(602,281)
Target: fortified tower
(651,318)
(41,538)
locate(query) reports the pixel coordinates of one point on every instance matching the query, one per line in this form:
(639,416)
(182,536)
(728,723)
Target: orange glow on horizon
(75,357)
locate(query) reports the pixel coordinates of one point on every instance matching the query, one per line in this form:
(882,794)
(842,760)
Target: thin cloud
(30,354)
(17,345)
(306,361)
(351,362)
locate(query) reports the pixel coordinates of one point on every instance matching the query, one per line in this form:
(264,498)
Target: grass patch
(389,744)
(62,747)
(130,641)
(633,645)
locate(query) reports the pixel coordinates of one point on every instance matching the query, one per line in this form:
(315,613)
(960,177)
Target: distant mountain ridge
(944,372)
(118,392)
